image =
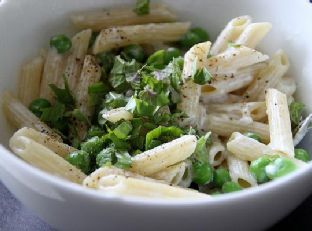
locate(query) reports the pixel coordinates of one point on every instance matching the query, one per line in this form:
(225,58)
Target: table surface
(15,217)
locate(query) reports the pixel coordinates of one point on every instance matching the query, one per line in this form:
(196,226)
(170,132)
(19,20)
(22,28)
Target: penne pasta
(52,73)
(54,145)
(268,77)
(80,44)
(253,34)
(92,181)
(117,114)
(219,97)
(91,73)
(116,37)
(171,175)
(163,156)
(128,186)
(239,172)
(230,33)
(245,148)
(254,110)
(20,116)
(187,177)
(279,122)
(42,157)
(28,86)
(224,126)
(226,83)
(100,19)
(233,59)
(191,91)
(216,153)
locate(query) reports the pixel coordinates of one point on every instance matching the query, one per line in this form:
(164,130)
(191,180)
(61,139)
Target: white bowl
(27,25)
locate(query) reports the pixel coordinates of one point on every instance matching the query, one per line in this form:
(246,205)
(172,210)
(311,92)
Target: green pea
(202,173)
(257,168)
(93,146)
(133,52)
(171,53)
(37,105)
(80,159)
(230,187)
(221,176)
(280,167)
(253,136)
(157,59)
(302,154)
(106,60)
(61,43)
(194,36)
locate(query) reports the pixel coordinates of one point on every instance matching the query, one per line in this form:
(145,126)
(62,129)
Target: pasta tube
(59,148)
(268,77)
(52,73)
(42,157)
(116,37)
(19,116)
(29,80)
(239,172)
(100,19)
(216,153)
(91,73)
(255,110)
(253,34)
(92,181)
(233,59)
(80,44)
(163,156)
(171,175)
(225,126)
(128,186)
(191,91)
(279,122)
(230,33)
(246,148)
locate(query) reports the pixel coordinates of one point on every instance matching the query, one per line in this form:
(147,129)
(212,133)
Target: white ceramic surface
(26,25)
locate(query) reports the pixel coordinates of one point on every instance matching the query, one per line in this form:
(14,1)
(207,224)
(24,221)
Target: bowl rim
(141,201)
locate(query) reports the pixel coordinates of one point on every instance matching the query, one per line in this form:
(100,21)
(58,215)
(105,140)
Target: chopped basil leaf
(76,113)
(121,70)
(114,100)
(63,95)
(52,114)
(160,135)
(122,130)
(142,7)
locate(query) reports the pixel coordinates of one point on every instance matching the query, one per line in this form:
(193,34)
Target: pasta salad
(140,104)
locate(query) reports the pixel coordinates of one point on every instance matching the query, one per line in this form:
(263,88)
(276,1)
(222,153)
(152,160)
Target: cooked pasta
(230,33)
(121,36)
(279,121)
(100,19)
(29,80)
(140,104)
(44,158)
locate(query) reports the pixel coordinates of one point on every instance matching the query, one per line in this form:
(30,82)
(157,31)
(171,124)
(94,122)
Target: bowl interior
(26,27)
